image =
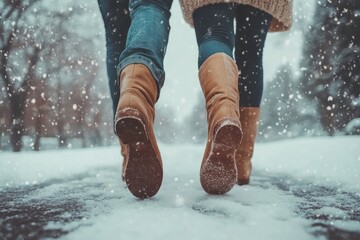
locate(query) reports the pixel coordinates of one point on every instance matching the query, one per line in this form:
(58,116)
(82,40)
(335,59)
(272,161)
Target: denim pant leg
(148,37)
(252,26)
(115,14)
(214,28)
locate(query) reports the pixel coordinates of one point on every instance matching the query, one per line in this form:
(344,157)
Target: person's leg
(116,17)
(115,14)
(218,75)
(252,26)
(214,28)
(141,76)
(148,37)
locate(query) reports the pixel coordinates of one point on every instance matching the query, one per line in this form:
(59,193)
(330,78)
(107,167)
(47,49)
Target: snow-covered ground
(301,189)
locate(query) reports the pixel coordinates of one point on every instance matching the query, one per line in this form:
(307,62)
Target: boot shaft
(249,118)
(138,90)
(219,82)
(218,77)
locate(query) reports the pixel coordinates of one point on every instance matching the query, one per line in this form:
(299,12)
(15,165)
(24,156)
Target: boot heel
(228,133)
(130,127)
(218,173)
(143,171)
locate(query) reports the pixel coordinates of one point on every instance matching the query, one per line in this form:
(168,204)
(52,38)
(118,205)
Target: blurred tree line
(49,76)
(331,65)
(325,97)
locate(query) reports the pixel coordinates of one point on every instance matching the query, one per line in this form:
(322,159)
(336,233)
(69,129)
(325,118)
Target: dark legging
(215,33)
(252,26)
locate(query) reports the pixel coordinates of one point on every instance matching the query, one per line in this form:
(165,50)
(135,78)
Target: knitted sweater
(281,10)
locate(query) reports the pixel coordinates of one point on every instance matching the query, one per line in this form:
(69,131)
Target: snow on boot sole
(218,173)
(143,171)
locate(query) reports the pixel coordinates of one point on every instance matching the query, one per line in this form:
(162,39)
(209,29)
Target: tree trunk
(38,123)
(326,119)
(63,141)
(17,106)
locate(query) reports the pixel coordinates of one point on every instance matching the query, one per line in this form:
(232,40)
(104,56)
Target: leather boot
(134,124)
(219,82)
(249,118)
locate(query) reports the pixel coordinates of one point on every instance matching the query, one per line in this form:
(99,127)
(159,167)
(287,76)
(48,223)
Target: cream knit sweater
(281,10)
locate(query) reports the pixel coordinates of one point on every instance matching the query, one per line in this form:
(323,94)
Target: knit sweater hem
(281,10)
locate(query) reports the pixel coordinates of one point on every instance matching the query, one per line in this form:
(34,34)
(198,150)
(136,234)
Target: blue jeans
(137,31)
(115,14)
(148,37)
(214,28)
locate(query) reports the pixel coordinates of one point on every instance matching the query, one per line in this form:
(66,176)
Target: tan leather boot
(249,118)
(219,82)
(134,123)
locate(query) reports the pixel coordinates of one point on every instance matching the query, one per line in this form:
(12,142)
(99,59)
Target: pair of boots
(231,131)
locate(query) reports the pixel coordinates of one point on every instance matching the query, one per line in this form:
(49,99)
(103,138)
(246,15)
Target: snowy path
(78,194)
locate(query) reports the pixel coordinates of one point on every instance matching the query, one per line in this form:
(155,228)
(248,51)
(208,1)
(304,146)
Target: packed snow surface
(301,189)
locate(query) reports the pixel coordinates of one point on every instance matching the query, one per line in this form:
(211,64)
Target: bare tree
(17,85)
(49,66)
(27,56)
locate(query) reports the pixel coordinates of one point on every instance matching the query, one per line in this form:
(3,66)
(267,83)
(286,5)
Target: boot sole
(218,174)
(143,172)
(242,182)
